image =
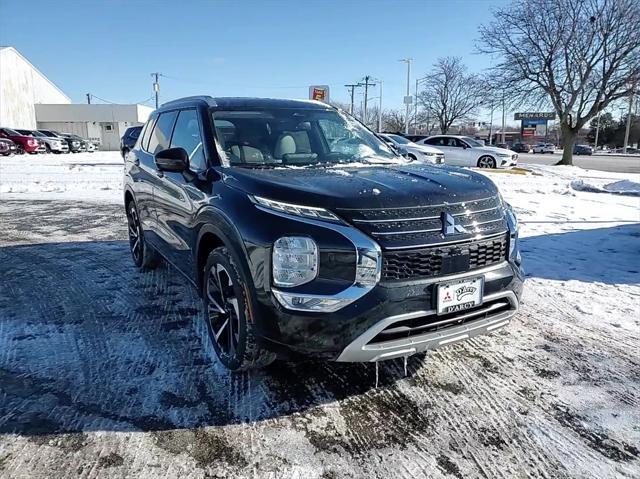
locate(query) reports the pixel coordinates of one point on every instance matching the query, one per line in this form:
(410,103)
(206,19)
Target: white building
(103,124)
(22,86)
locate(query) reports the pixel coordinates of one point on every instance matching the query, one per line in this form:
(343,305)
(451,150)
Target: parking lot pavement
(604,162)
(103,374)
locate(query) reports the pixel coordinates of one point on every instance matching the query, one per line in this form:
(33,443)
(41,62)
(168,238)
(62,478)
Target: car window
(160,138)
(144,143)
(187,135)
(134,133)
(453,142)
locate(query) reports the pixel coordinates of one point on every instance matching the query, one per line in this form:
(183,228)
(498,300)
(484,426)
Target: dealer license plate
(459,295)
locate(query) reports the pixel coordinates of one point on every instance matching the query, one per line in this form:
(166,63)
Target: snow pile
(621,187)
(82,176)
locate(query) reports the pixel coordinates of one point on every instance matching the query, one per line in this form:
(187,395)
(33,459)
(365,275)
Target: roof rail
(205,98)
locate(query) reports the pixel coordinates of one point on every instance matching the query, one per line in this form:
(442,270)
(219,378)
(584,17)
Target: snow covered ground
(103,374)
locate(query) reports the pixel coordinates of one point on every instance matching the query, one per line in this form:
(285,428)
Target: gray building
(22,86)
(102,124)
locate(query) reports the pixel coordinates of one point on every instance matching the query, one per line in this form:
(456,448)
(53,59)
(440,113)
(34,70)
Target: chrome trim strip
(424,218)
(391,233)
(359,350)
(428,245)
(360,241)
(425,206)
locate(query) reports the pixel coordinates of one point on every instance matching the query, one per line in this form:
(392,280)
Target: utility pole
(503,118)
(156,85)
(407,98)
(380,109)
(352,88)
(367,83)
(491,126)
(88,98)
(626,133)
(597,130)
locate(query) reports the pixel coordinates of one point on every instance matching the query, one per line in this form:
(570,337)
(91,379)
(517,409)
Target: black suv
(129,139)
(307,236)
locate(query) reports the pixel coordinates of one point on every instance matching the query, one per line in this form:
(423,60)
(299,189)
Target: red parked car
(24,143)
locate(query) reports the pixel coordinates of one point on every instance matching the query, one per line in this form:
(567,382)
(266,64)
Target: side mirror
(173,160)
(464,146)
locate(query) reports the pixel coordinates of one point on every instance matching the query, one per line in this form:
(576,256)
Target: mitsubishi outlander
(308,236)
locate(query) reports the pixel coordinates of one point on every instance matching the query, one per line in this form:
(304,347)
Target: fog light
(294,260)
(301,302)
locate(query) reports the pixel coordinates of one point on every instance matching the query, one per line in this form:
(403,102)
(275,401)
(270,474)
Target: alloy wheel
(486,162)
(223,310)
(135,234)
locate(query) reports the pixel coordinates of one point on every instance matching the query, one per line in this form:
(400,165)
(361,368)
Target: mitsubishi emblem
(449,226)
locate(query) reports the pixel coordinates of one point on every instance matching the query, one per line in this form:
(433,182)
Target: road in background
(614,163)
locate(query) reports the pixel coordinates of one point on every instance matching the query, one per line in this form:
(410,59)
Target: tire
(229,304)
(47,148)
(486,161)
(144,256)
(19,150)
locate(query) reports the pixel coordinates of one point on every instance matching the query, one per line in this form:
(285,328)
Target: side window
(187,135)
(161,135)
(453,142)
(135,133)
(144,143)
(432,141)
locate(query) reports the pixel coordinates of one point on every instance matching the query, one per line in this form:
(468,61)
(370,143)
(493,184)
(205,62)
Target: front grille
(395,228)
(441,260)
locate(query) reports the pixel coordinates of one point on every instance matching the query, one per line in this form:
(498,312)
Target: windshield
(11,132)
(471,141)
(296,136)
(401,140)
(25,132)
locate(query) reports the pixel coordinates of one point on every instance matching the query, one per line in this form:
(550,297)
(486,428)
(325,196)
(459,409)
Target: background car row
(42,141)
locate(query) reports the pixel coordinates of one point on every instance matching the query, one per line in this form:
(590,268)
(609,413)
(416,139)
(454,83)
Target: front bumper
(367,330)
(63,148)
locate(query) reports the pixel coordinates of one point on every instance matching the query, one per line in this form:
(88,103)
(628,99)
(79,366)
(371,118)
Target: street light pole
(380,109)
(626,133)
(407,98)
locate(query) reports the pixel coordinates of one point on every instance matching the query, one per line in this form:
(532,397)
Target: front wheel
(230,314)
(486,162)
(144,257)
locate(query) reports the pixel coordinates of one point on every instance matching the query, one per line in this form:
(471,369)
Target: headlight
(513,232)
(294,260)
(503,155)
(75,143)
(297,210)
(428,153)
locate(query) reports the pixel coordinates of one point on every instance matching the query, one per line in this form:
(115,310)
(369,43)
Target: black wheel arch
(218,230)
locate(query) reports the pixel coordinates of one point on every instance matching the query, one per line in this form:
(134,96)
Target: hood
(343,186)
(495,149)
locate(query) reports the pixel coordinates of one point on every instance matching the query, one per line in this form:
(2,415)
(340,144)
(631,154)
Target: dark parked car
(7,147)
(299,254)
(76,143)
(129,139)
(521,148)
(24,143)
(582,150)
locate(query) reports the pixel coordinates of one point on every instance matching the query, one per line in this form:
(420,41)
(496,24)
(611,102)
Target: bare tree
(577,56)
(393,121)
(450,93)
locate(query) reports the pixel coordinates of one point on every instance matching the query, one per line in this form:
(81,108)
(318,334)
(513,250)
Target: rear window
(161,135)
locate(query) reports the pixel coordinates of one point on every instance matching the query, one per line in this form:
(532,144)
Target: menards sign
(535,115)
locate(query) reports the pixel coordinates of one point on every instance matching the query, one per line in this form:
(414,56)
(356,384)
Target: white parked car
(465,151)
(424,153)
(544,148)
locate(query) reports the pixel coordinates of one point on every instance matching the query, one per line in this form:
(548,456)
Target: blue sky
(243,48)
